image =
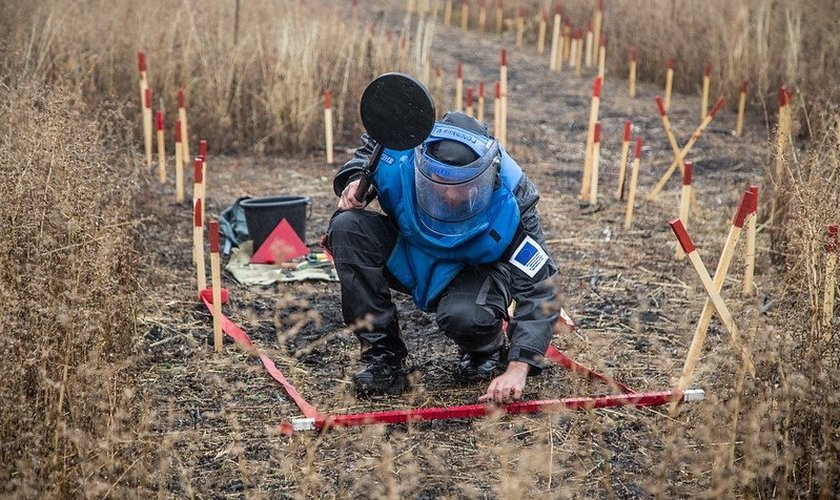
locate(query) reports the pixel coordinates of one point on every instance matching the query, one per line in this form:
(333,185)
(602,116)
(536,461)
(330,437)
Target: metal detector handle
(370,168)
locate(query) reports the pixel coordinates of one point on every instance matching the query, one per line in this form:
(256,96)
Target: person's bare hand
(508,386)
(348,199)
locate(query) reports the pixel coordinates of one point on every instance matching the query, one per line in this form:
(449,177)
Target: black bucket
(263,214)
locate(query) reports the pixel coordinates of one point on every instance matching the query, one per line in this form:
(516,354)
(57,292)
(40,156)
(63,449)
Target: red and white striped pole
(632,77)
(704,99)
(198,241)
(470,109)
(480,114)
(503,76)
(708,308)
(179,164)
(831,248)
(182,114)
(669,82)
(216,278)
(459,88)
(596,160)
(328,128)
(634,178)
(161,149)
(742,103)
(147,126)
(590,135)
(622,165)
(685,202)
(749,255)
(720,306)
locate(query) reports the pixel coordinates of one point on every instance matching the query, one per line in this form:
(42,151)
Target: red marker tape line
(682,236)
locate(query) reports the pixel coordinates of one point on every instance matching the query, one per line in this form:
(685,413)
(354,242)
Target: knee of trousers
(355,236)
(459,319)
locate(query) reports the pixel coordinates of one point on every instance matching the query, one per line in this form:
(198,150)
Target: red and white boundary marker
(598,19)
(742,103)
(585,185)
(588,46)
(541,28)
(555,61)
(182,115)
(161,149)
(704,98)
(179,164)
(596,161)
(602,56)
(469,107)
(669,131)
(634,179)
(147,125)
(685,201)
(198,246)
(202,151)
(669,82)
(328,128)
(632,77)
(216,277)
(749,255)
(503,77)
(622,165)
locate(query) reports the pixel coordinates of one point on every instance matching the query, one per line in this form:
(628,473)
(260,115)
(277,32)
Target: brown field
(109,381)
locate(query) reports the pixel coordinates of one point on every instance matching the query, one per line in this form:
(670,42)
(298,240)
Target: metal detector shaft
(370,168)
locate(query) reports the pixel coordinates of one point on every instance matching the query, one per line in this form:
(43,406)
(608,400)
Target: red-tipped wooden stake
(480,114)
(704,99)
(590,135)
(541,28)
(602,56)
(447,12)
(634,178)
(669,131)
(438,86)
(470,109)
(459,89)
(179,164)
(500,16)
(596,160)
(632,77)
(782,134)
(669,82)
(328,127)
(198,173)
(742,103)
(749,255)
(622,165)
(579,53)
(720,306)
(465,15)
(831,248)
(520,27)
(596,25)
(182,114)
(555,61)
(482,15)
(566,45)
(145,100)
(141,69)
(147,125)
(708,308)
(202,151)
(685,202)
(198,245)
(497,111)
(161,149)
(587,49)
(216,277)
(685,150)
(503,75)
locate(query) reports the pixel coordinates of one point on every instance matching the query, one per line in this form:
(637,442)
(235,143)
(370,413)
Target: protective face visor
(451,196)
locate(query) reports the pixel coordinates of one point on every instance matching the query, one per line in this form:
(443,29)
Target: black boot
(475,367)
(384,374)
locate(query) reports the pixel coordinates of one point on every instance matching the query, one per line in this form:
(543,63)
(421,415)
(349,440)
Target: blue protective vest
(426,263)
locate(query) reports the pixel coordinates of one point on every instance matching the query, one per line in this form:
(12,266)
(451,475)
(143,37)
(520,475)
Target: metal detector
(398,113)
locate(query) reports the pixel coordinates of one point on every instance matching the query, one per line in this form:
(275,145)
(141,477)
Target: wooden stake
(198,246)
(749,256)
(470,111)
(459,89)
(482,15)
(596,159)
(632,77)
(555,41)
(182,115)
(602,57)
(598,18)
(409,8)
(622,165)
(328,128)
(782,133)
(742,103)
(447,12)
(161,149)
(566,36)
(685,150)
(503,72)
(202,151)
(427,70)
(520,27)
(579,53)
(685,202)
(481,101)
(669,81)
(704,100)
(198,176)
(216,277)
(587,50)
(179,164)
(708,308)
(147,126)
(830,278)
(634,177)
(465,15)
(585,186)
(541,33)
(669,131)
(500,14)
(720,306)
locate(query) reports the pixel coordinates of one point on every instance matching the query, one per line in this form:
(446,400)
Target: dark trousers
(469,311)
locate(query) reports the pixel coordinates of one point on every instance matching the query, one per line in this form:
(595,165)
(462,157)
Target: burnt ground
(634,304)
